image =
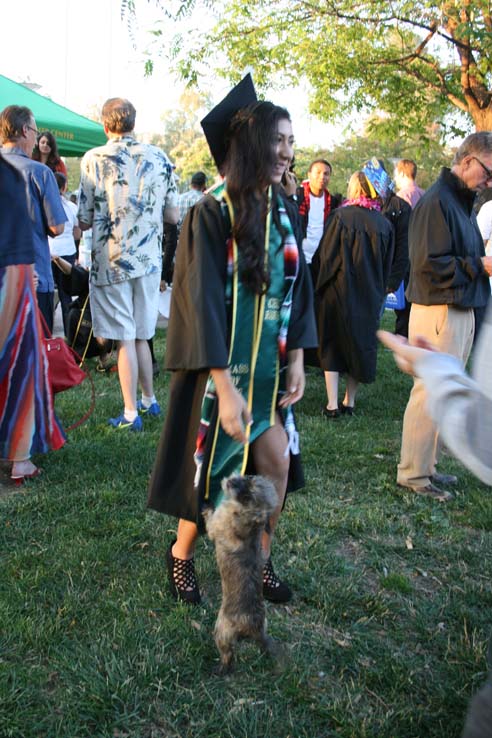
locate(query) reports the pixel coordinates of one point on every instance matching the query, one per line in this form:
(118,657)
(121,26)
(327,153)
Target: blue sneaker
(123,423)
(154,410)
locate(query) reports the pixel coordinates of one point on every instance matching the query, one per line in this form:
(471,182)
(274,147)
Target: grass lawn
(386,634)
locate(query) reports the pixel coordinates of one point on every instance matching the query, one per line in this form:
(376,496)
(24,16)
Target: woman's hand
(295,378)
(290,183)
(233,409)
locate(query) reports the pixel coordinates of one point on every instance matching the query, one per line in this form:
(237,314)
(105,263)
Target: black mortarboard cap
(216,124)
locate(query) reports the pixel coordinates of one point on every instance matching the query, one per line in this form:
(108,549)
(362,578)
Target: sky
(80,53)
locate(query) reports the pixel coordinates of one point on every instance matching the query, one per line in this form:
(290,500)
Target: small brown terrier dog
(236,527)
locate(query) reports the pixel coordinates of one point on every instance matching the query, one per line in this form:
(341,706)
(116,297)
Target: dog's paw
(223,670)
(278,654)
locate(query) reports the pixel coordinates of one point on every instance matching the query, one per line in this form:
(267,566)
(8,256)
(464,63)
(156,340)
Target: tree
(349,155)
(415,59)
(183,139)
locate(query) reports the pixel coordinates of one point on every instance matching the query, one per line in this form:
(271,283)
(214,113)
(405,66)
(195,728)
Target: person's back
(16,238)
(407,188)
(350,269)
(126,193)
(130,189)
(191,196)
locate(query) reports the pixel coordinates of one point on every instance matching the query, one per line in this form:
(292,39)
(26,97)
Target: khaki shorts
(126,310)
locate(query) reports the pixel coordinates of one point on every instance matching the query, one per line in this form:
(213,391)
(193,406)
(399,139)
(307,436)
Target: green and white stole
(257,355)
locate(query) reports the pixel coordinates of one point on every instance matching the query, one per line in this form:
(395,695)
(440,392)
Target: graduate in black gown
(350,269)
(240,318)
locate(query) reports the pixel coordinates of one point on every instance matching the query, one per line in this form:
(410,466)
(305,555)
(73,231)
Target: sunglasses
(487,171)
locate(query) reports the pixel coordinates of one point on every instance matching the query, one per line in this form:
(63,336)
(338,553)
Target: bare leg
(180,564)
(144,359)
(187,535)
(128,373)
(331,381)
(350,391)
(271,462)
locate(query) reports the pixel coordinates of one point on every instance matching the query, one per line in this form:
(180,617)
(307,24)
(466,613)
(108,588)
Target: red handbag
(64,370)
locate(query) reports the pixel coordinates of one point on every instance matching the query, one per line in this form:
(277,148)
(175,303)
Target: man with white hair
(448,279)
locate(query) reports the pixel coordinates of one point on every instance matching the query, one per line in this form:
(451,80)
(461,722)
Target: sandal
(19,479)
(182,578)
(273,588)
(346,409)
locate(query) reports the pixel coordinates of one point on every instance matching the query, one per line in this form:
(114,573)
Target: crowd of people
(269,275)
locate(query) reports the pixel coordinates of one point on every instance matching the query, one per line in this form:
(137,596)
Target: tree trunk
(482,118)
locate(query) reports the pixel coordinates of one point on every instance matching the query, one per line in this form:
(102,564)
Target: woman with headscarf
(350,271)
(240,318)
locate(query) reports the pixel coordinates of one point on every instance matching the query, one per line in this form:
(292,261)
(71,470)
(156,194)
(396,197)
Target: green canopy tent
(74,134)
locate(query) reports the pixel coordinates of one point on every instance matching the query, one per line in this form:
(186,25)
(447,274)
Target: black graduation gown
(350,271)
(197,340)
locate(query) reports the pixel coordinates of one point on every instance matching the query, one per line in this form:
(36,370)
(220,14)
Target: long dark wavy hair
(53,157)
(248,169)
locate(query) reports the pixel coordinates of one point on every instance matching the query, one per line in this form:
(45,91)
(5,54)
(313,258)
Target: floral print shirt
(125,187)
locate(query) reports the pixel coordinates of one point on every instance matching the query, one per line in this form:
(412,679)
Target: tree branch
(380,20)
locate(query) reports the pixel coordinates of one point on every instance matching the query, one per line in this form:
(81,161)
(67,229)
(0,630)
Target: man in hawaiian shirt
(127,190)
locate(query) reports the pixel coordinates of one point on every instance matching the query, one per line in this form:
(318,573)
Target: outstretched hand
(406,355)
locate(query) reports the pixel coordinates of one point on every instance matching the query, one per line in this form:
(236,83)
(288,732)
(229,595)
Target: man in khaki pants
(448,279)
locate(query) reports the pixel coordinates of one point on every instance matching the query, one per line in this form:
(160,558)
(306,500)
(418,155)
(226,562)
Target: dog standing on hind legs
(236,527)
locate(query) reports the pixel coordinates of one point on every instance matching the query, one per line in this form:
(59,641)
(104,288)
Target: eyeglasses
(34,130)
(487,171)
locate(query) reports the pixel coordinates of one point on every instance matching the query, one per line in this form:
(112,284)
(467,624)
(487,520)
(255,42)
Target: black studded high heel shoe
(182,578)
(273,588)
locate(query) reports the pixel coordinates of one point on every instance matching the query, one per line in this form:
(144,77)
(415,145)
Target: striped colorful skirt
(28,424)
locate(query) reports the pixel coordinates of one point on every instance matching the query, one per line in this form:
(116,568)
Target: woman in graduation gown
(351,268)
(240,318)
